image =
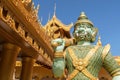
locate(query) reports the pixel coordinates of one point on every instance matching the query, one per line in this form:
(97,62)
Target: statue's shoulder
(71,47)
(68,50)
(105,51)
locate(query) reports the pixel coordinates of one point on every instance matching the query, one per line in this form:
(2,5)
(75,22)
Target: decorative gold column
(27,68)
(8,59)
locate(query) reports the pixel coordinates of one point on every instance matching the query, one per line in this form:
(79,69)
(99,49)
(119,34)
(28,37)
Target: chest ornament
(80,65)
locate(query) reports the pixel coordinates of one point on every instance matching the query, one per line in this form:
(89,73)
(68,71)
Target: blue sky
(105,14)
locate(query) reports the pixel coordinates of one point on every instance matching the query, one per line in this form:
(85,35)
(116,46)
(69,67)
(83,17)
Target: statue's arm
(58,61)
(112,66)
(116,77)
(58,67)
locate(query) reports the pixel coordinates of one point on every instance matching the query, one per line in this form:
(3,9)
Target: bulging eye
(89,26)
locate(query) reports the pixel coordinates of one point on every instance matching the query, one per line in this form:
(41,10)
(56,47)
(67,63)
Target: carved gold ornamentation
(28,18)
(13,10)
(58,54)
(18,63)
(10,21)
(41,50)
(26,1)
(21,31)
(4,13)
(16,2)
(29,39)
(35,45)
(45,55)
(81,64)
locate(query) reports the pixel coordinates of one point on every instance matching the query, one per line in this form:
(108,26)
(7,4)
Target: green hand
(58,44)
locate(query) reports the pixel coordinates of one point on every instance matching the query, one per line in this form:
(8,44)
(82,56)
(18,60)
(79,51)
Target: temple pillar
(27,68)
(8,59)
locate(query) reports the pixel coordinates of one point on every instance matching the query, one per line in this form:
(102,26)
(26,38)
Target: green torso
(95,62)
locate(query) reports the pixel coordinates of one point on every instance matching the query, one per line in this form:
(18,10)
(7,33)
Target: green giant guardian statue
(83,60)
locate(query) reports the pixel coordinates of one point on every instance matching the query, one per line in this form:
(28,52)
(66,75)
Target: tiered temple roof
(56,29)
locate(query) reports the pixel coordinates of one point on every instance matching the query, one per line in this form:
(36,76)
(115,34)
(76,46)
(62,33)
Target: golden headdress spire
(83,19)
(82,15)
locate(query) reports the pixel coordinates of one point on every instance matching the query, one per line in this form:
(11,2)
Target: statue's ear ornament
(95,31)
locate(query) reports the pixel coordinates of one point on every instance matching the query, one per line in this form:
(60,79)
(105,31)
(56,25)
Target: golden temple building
(56,29)
(25,49)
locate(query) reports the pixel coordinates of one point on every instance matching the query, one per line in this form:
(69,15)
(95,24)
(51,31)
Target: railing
(21,27)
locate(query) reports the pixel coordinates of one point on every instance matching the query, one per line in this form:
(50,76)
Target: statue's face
(84,32)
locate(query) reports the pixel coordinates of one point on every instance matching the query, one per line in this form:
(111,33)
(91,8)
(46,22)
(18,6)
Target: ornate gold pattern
(12,14)
(59,54)
(85,71)
(18,63)
(73,74)
(22,22)
(81,64)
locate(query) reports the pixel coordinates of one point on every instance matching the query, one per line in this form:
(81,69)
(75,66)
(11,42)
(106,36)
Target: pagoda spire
(99,40)
(48,17)
(40,21)
(54,9)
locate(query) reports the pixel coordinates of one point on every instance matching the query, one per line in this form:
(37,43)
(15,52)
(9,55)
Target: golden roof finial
(99,40)
(41,20)
(26,1)
(49,17)
(37,9)
(32,6)
(54,9)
